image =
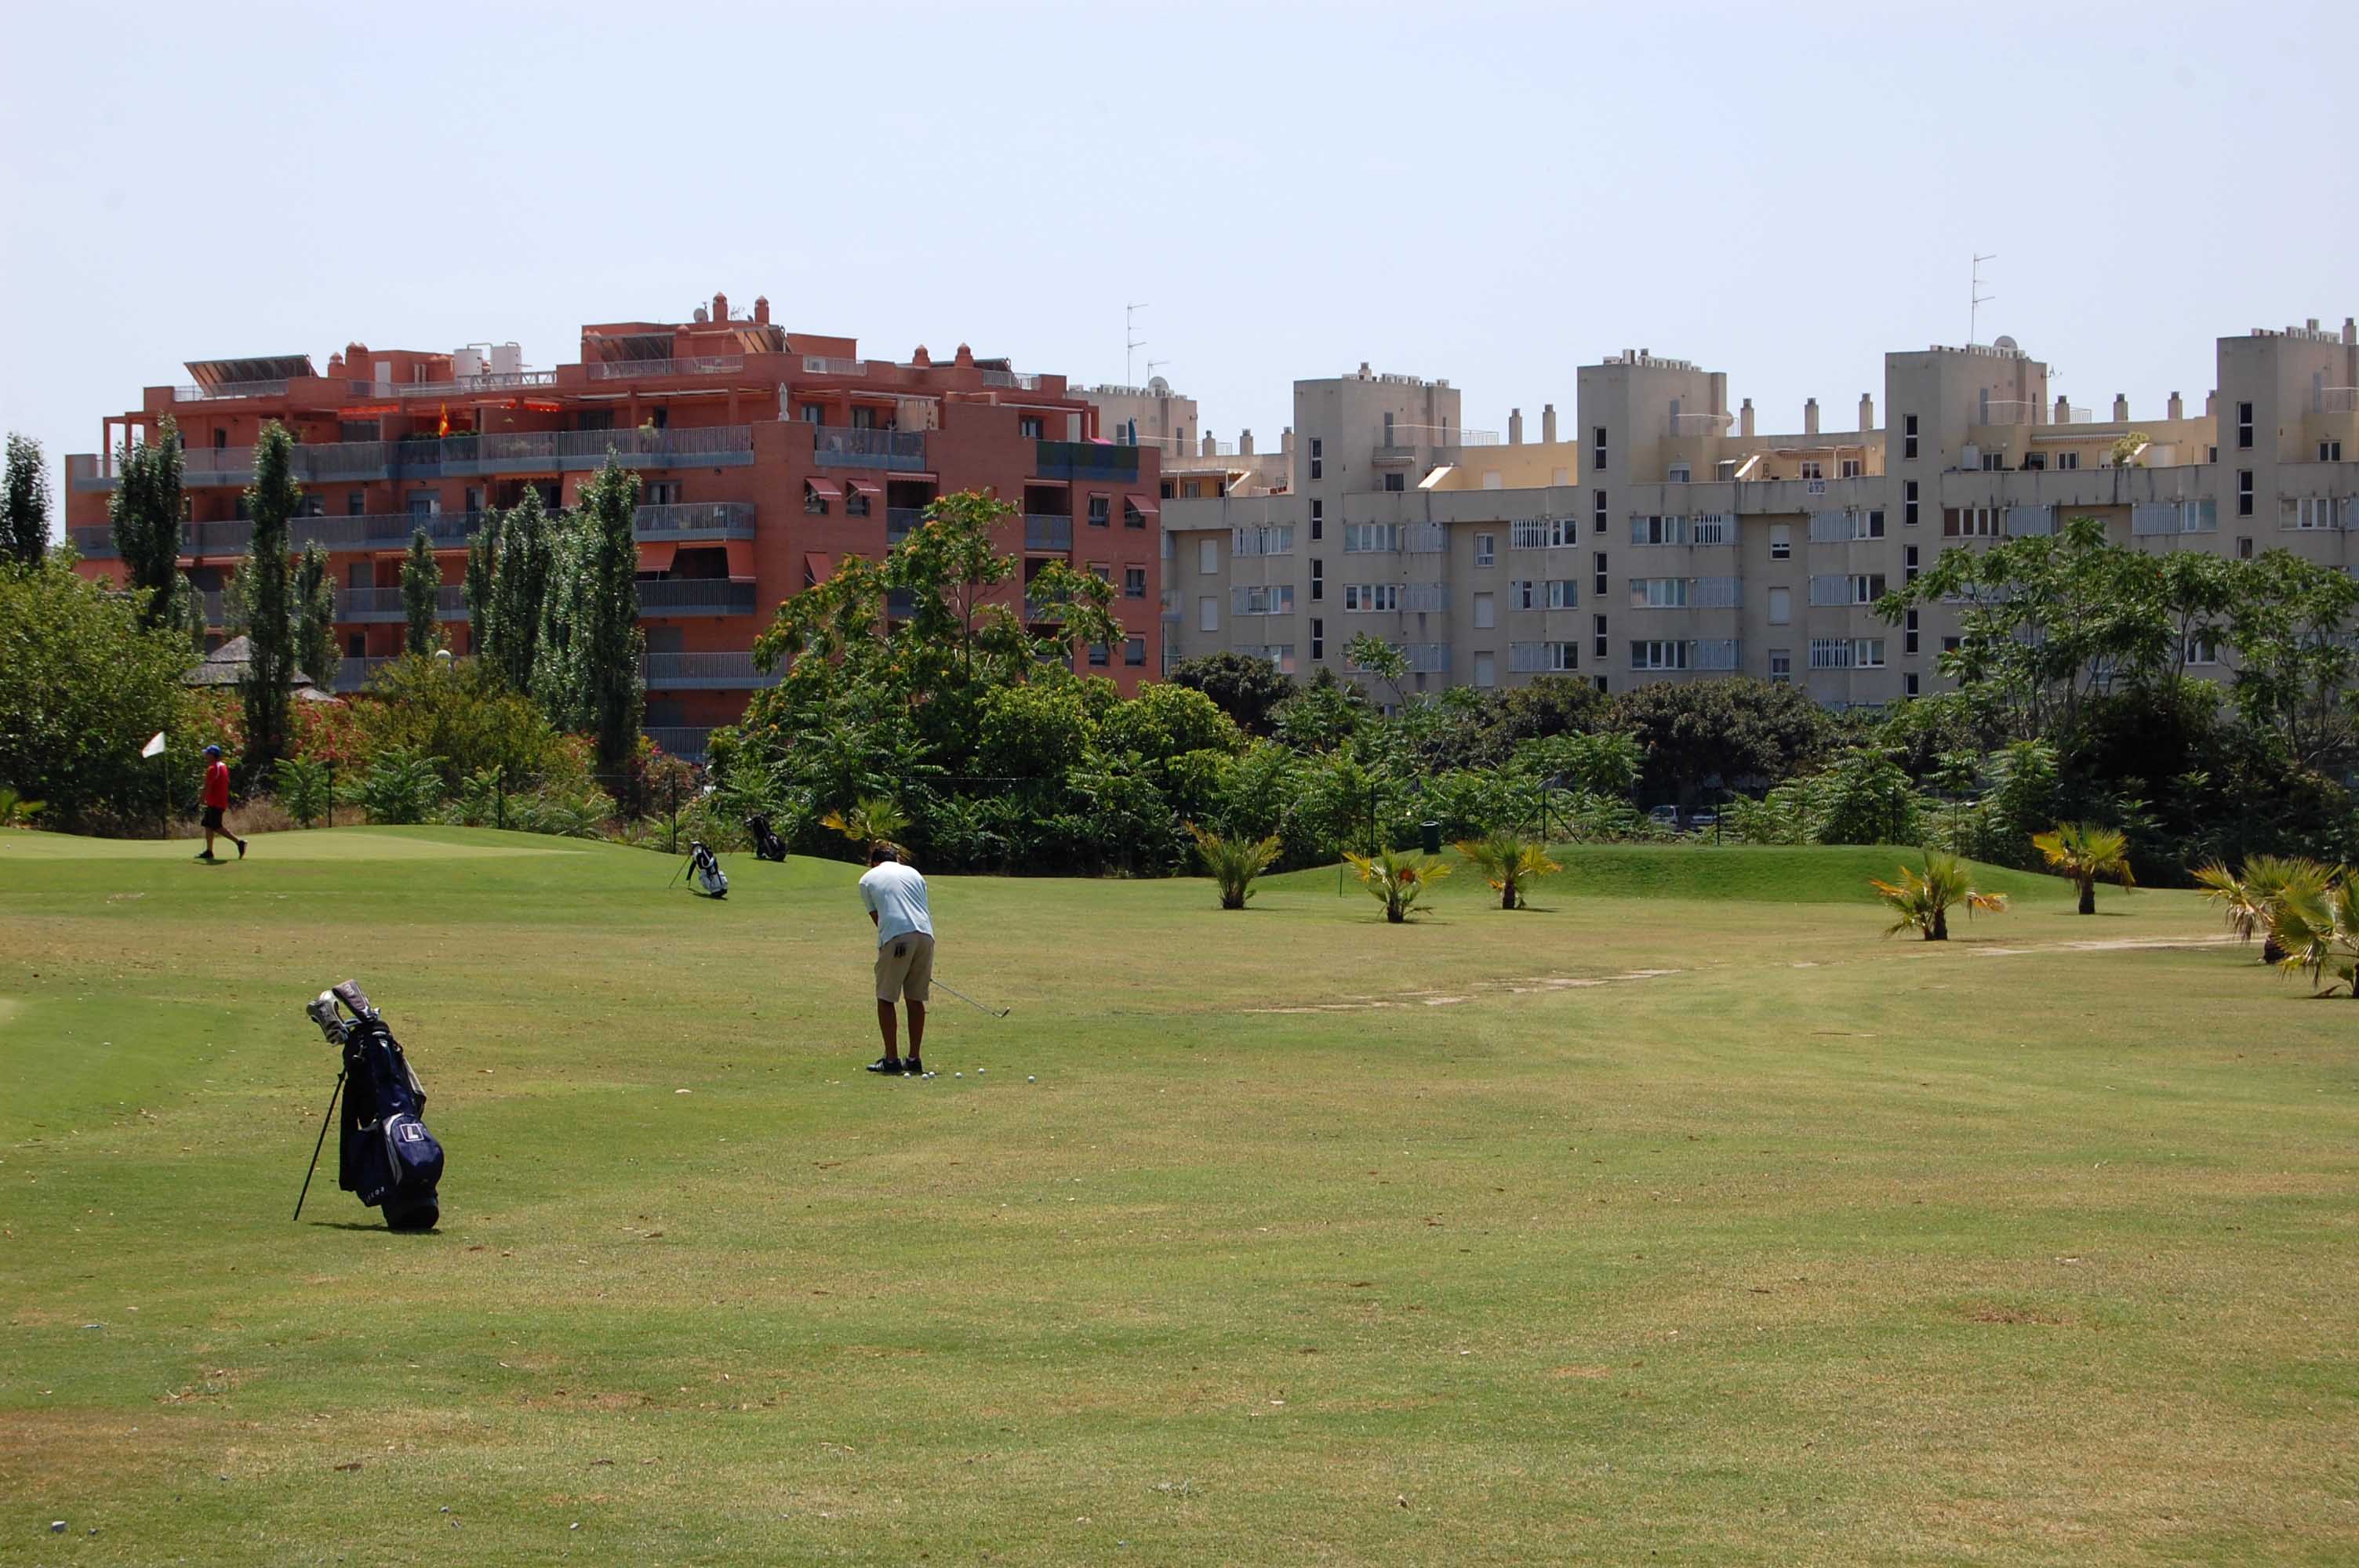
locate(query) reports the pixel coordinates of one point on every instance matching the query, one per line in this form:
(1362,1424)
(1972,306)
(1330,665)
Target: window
(855,504)
(1134,582)
(1396,481)
(1318,518)
(1318,579)
(1361,596)
(1597,511)
(2202,648)
(1597,457)
(1908,564)
(1659,654)
(1993,462)
(1970,522)
(2244,427)
(1599,636)
(1208,614)
(1486,670)
(1871,526)
(1659,593)
(1101,510)
(814,500)
(2245,550)
(1908,637)
(1487,549)
(1711,528)
(1371,538)
(2067,461)
(1318,638)
(863,419)
(1909,503)
(1781,542)
(2311,511)
(1542,533)
(1846,652)
(1134,651)
(1098,656)
(1813,469)
(1909,436)
(1563,594)
(356,503)
(813,413)
(1781,606)
(2211,454)
(1486,613)
(1208,557)
(1543,658)
(2329,451)
(1678,474)
(1600,585)
(1867,653)
(2243,492)
(1949,644)
(1030,426)
(1318,458)
(1132,517)
(1781,667)
(1659,530)
(1852,467)
(1909,684)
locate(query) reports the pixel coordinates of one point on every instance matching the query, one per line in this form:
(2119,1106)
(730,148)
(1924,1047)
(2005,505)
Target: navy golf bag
(706,867)
(385,1156)
(768,845)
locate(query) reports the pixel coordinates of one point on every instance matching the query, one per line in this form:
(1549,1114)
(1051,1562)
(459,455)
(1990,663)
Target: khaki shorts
(905,968)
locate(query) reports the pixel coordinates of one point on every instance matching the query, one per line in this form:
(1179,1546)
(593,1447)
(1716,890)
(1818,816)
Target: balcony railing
(1397,437)
(527,451)
(2338,400)
(1086,459)
(899,450)
(1048,534)
(901,522)
(695,519)
(686,742)
(2009,411)
(458,386)
(229,389)
(822,365)
(382,604)
(696,596)
(1008,378)
(1702,424)
(633,370)
(705,671)
(353,674)
(444,530)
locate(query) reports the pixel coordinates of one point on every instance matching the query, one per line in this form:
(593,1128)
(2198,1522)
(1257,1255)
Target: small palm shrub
(1397,880)
(1233,861)
(15,811)
(2085,854)
(1921,901)
(303,789)
(399,786)
(2317,924)
(1509,862)
(871,819)
(2248,897)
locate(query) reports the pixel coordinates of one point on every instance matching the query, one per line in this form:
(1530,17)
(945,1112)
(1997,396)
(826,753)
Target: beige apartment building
(1195,464)
(1666,538)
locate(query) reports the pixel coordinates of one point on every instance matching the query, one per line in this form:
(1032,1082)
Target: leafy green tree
(611,642)
(1323,715)
(1035,732)
(1542,707)
(1371,655)
(303,785)
(519,587)
(24,506)
(316,654)
(144,513)
(1168,721)
(421,583)
(267,586)
(185,611)
(461,712)
(1246,688)
(2294,635)
(1732,731)
(400,787)
(482,595)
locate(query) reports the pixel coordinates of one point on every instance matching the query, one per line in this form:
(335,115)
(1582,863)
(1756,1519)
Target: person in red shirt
(217,802)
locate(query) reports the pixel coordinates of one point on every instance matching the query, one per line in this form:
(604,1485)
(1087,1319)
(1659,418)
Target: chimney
(919,356)
(2350,329)
(1547,423)
(2121,408)
(1866,412)
(2212,403)
(2313,323)
(2178,406)
(762,310)
(1244,443)
(1718,382)
(1745,419)
(1515,426)
(721,307)
(1285,441)
(964,358)
(1364,369)
(1810,417)
(1211,448)
(2063,410)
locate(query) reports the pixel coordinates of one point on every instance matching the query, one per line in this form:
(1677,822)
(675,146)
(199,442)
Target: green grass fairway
(1683,1218)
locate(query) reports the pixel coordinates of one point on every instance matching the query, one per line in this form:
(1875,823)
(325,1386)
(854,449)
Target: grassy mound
(1757,874)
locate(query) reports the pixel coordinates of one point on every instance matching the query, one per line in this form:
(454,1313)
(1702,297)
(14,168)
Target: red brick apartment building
(764,457)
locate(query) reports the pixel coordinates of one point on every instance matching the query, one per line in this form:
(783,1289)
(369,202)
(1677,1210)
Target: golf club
(994,1011)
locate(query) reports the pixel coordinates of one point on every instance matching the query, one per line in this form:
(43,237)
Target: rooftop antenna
(1130,345)
(1977,298)
(1152,365)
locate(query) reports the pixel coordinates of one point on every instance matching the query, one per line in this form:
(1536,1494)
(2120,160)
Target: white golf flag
(153,747)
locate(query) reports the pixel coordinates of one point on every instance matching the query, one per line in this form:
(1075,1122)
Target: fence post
(332,794)
(499,797)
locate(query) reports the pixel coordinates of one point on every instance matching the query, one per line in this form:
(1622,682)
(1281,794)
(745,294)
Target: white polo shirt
(896,895)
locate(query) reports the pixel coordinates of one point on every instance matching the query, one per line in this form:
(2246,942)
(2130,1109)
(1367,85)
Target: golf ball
(980,1071)
(958,1074)
(1030,1079)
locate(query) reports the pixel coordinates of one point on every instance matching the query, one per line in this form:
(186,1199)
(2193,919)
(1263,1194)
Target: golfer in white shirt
(895,895)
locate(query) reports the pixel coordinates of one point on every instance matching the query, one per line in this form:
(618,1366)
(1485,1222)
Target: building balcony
(1086,459)
(353,674)
(222,391)
(516,451)
(682,523)
(364,606)
(1047,534)
(705,671)
(686,742)
(901,522)
(696,596)
(1016,380)
(826,364)
(649,370)
(1702,424)
(899,451)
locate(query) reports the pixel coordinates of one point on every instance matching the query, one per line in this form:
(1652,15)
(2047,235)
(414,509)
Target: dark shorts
(213,819)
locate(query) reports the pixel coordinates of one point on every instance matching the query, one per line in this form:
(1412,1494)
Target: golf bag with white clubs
(710,877)
(768,845)
(384,1155)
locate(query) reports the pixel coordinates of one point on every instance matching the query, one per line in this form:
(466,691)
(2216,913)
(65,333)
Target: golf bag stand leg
(320,1145)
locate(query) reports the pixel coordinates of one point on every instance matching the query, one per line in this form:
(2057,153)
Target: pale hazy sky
(1494,195)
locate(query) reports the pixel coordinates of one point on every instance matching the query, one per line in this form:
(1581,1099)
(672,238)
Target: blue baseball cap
(212,750)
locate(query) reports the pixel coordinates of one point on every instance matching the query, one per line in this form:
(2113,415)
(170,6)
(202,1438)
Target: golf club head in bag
(710,877)
(385,1156)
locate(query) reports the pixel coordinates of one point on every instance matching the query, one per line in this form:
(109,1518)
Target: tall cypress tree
(484,632)
(613,643)
(271,500)
(421,581)
(145,516)
(558,682)
(519,587)
(315,618)
(25,514)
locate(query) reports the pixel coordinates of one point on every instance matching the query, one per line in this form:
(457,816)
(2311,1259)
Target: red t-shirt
(217,784)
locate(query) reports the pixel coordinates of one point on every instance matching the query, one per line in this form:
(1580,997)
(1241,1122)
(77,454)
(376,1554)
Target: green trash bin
(1429,834)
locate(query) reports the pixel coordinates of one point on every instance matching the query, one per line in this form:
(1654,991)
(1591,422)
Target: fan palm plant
(1397,880)
(2085,855)
(1233,862)
(2248,897)
(15,811)
(1509,862)
(1922,900)
(2318,927)
(871,819)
